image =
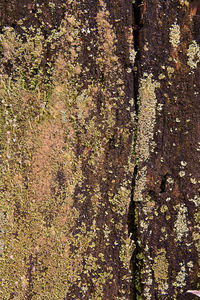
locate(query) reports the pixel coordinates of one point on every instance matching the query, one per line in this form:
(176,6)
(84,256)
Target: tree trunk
(99,146)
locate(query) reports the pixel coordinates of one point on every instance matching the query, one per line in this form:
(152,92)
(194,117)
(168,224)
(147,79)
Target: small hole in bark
(163,184)
(152,194)
(13,25)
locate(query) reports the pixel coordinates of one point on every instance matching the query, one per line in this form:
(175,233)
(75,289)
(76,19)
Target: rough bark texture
(99,149)
(66,139)
(166,192)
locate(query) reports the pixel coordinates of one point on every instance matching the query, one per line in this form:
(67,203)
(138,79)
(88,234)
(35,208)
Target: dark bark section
(167,222)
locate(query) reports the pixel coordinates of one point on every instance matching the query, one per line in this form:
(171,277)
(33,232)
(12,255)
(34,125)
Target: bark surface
(166,191)
(99,145)
(66,140)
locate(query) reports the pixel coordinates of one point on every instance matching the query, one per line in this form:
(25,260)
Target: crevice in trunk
(132,226)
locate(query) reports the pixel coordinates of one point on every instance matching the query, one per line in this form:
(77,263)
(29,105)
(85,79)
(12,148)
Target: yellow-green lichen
(193,180)
(170,71)
(164,208)
(160,266)
(184,2)
(126,251)
(149,207)
(161,76)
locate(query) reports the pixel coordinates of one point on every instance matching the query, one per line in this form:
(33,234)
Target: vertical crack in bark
(132,225)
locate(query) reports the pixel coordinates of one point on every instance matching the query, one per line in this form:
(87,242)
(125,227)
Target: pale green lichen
(140,184)
(118,205)
(180,224)
(132,56)
(193,54)
(148,274)
(147,115)
(183,163)
(193,180)
(52,5)
(149,207)
(146,122)
(126,252)
(190,264)
(195,200)
(170,180)
(181,173)
(174,35)
(180,281)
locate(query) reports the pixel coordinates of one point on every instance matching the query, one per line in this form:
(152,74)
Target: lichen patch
(181,227)
(174,35)
(147,116)
(193,54)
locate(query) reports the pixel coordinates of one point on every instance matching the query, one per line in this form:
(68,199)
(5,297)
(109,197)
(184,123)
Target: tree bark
(166,191)
(66,142)
(99,143)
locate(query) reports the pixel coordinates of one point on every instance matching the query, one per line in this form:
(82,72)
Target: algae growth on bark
(99,149)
